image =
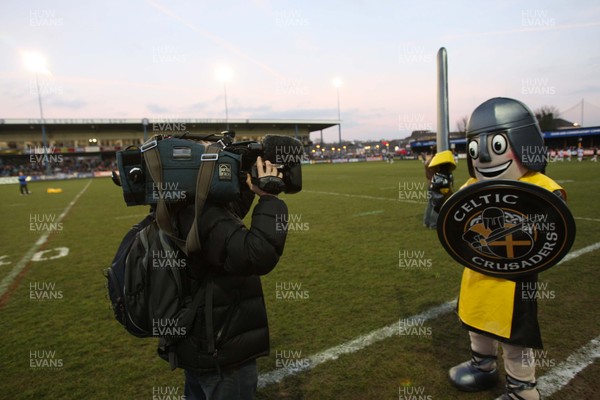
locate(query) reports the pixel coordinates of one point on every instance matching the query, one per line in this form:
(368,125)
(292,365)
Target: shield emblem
(506,228)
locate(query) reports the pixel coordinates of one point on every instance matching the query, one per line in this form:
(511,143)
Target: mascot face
(493,157)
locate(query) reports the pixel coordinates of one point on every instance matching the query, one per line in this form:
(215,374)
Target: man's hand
(267,175)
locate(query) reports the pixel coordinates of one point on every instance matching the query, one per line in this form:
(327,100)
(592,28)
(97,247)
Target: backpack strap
(163,216)
(187,319)
(205,174)
(154,165)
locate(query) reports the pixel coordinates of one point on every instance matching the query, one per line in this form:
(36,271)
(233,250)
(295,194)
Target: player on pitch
(504,142)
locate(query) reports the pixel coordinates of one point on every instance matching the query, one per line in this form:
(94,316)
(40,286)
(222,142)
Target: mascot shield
(506,228)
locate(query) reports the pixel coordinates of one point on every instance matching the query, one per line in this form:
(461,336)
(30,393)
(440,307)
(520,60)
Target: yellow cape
(487,303)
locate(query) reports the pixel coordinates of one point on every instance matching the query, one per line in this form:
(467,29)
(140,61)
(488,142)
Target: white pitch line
(364,196)
(588,219)
(563,373)
(366,213)
(352,346)
(276,376)
(580,252)
(8,279)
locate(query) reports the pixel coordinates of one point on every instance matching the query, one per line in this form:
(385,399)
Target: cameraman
(231,327)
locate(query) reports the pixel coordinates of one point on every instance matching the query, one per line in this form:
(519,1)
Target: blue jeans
(239,383)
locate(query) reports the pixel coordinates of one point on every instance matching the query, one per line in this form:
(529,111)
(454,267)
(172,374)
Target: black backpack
(149,286)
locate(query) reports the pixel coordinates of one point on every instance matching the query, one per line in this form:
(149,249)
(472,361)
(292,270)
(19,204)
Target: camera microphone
(282,150)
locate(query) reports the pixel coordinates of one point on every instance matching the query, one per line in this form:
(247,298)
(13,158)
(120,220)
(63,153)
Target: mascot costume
(501,133)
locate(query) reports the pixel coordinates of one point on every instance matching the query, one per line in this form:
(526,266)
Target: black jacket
(231,324)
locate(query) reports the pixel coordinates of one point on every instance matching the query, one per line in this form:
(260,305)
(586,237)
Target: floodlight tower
(36,63)
(337,82)
(225,74)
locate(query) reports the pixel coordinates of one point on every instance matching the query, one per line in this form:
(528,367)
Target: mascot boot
(519,390)
(519,364)
(477,374)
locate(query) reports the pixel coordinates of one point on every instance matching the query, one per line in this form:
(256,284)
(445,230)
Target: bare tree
(546,117)
(461,124)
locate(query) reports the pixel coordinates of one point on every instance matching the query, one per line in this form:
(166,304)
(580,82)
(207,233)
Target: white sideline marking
(352,346)
(588,219)
(580,252)
(364,214)
(276,376)
(563,373)
(8,279)
(364,196)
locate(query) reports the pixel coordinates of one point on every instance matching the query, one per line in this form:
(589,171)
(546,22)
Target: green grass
(346,258)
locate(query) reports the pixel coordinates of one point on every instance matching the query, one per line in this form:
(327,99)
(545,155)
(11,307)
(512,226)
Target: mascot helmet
(516,120)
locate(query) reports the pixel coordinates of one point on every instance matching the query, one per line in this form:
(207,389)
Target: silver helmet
(514,118)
